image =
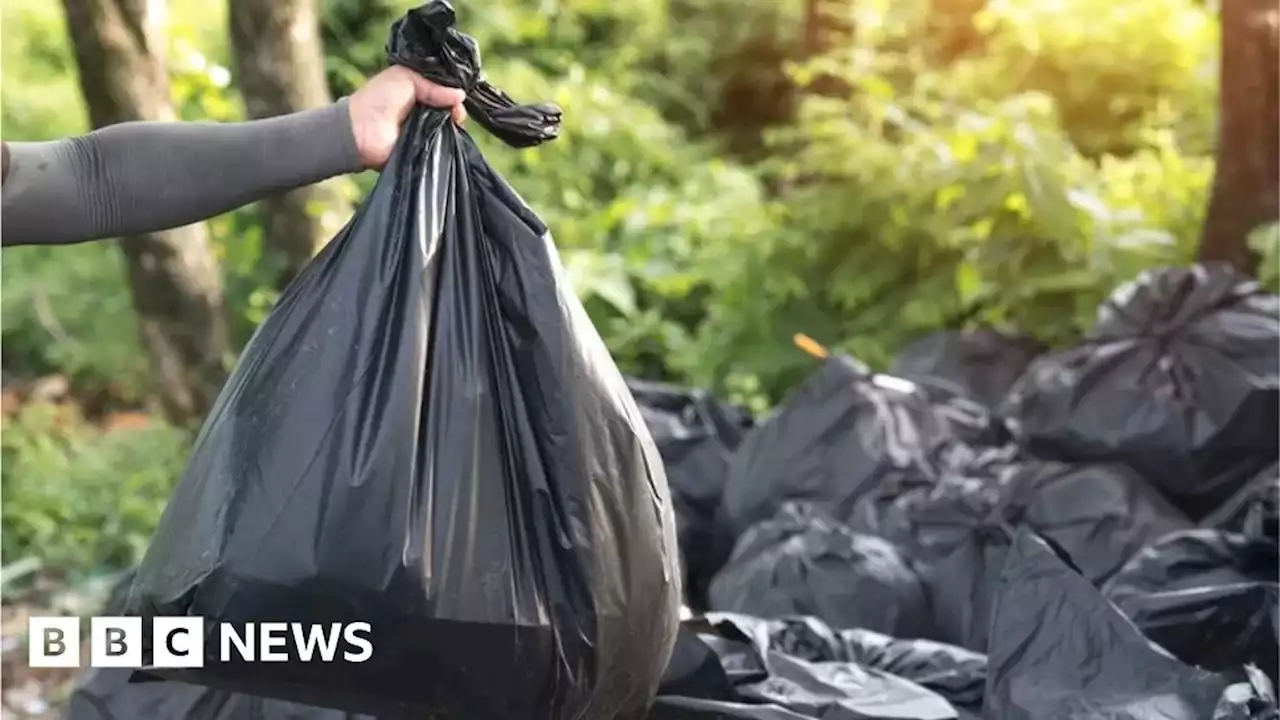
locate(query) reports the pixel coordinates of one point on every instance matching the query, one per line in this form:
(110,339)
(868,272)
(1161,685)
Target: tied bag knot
(427,41)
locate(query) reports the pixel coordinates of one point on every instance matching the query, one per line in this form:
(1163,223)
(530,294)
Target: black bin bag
(108,694)
(696,435)
(1254,510)
(728,667)
(956,674)
(1210,598)
(1179,379)
(957,530)
(803,562)
(428,435)
(1060,651)
(843,433)
(980,364)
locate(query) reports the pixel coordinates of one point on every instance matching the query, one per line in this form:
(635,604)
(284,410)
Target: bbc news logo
(179,642)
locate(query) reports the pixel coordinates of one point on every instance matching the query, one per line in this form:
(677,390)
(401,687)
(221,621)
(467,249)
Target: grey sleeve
(147,176)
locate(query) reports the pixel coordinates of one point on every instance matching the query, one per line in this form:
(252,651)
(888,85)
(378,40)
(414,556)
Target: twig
(48,320)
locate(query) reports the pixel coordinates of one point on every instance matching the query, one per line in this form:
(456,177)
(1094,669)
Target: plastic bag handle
(427,41)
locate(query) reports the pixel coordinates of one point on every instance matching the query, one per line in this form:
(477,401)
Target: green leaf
(969,284)
(604,276)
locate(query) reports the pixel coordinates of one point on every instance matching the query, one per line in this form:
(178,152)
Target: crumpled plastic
(843,433)
(803,562)
(956,674)
(717,654)
(1210,598)
(726,673)
(425,40)
(956,531)
(1060,651)
(108,694)
(1179,379)
(696,436)
(980,364)
(1254,510)
(428,435)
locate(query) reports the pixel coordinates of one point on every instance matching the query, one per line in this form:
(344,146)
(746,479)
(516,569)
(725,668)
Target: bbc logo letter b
(53,642)
(115,642)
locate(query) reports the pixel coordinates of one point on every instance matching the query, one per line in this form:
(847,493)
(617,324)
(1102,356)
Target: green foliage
(39,96)
(78,498)
(1115,72)
(353,33)
(635,208)
(68,310)
(909,206)
(1266,242)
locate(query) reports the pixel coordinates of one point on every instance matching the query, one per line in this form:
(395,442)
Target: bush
(641,212)
(1116,72)
(79,498)
(68,310)
(915,197)
(39,99)
(1266,242)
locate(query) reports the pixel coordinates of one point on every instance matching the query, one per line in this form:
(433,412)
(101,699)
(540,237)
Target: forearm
(143,177)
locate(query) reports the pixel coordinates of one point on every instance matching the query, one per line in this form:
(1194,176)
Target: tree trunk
(951,33)
(827,26)
(1246,183)
(173,277)
(279,64)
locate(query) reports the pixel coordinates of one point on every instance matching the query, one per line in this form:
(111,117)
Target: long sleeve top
(142,177)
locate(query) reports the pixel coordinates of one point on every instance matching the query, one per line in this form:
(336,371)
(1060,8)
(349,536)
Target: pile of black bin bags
(1075,534)
(1003,531)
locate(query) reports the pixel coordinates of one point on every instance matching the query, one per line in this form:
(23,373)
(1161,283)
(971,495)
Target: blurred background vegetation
(730,172)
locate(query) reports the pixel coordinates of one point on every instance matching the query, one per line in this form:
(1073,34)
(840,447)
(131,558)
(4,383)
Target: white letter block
(177,642)
(53,642)
(115,642)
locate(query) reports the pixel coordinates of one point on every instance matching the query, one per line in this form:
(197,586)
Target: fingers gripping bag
(428,435)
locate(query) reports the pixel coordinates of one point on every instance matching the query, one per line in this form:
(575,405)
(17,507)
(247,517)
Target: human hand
(379,108)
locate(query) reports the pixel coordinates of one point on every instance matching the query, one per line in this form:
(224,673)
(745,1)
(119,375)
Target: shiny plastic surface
(427,434)
(1059,651)
(696,436)
(954,673)
(425,40)
(843,433)
(957,530)
(757,681)
(1195,585)
(1254,510)
(802,562)
(107,694)
(1180,380)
